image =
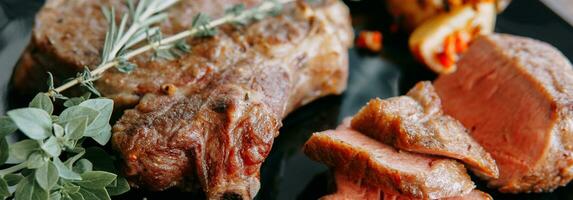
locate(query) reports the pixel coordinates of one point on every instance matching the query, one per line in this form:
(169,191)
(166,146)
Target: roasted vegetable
(371,40)
(440,40)
(410,14)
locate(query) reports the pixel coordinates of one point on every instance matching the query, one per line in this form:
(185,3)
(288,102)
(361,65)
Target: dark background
(287,173)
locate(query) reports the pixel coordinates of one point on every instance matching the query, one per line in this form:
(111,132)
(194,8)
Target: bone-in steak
(515,95)
(233,88)
(416,123)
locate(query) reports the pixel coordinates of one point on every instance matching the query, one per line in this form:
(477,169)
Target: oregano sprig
(37,171)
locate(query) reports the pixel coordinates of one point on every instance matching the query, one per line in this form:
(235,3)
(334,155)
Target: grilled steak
(348,188)
(416,123)
(515,94)
(233,89)
(382,166)
(65,45)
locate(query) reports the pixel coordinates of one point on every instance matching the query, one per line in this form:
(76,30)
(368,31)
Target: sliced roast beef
(349,188)
(416,123)
(382,166)
(516,96)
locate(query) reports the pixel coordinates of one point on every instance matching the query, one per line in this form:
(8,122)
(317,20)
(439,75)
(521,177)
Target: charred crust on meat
(220,106)
(422,4)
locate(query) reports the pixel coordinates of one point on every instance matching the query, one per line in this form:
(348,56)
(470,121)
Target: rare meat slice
(515,95)
(349,188)
(391,170)
(416,123)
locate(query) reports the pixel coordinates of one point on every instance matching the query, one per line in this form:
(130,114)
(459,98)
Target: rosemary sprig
(238,16)
(141,17)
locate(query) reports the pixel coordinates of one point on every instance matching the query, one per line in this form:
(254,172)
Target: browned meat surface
(382,166)
(416,123)
(349,188)
(515,94)
(474,195)
(63,45)
(233,89)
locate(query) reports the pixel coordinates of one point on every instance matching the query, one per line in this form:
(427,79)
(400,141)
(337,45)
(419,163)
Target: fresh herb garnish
(52,163)
(37,171)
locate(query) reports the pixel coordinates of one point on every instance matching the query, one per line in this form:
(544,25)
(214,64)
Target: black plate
(287,173)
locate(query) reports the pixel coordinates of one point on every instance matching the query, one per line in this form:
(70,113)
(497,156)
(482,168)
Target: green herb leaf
(4,151)
(20,151)
(47,176)
(125,66)
(236,9)
(36,160)
(4,192)
(28,189)
(64,171)
(73,102)
(86,80)
(83,166)
(42,101)
(122,186)
(76,196)
(77,100)
(76,128)
(55,195)
(78,111)
(103,136)
(201,23)
(58,130)
(105,107)
(94,194)
(95,179)
(35,123)
(52,147)
(80,152)
(70,188)
(7,126)
(13,179)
